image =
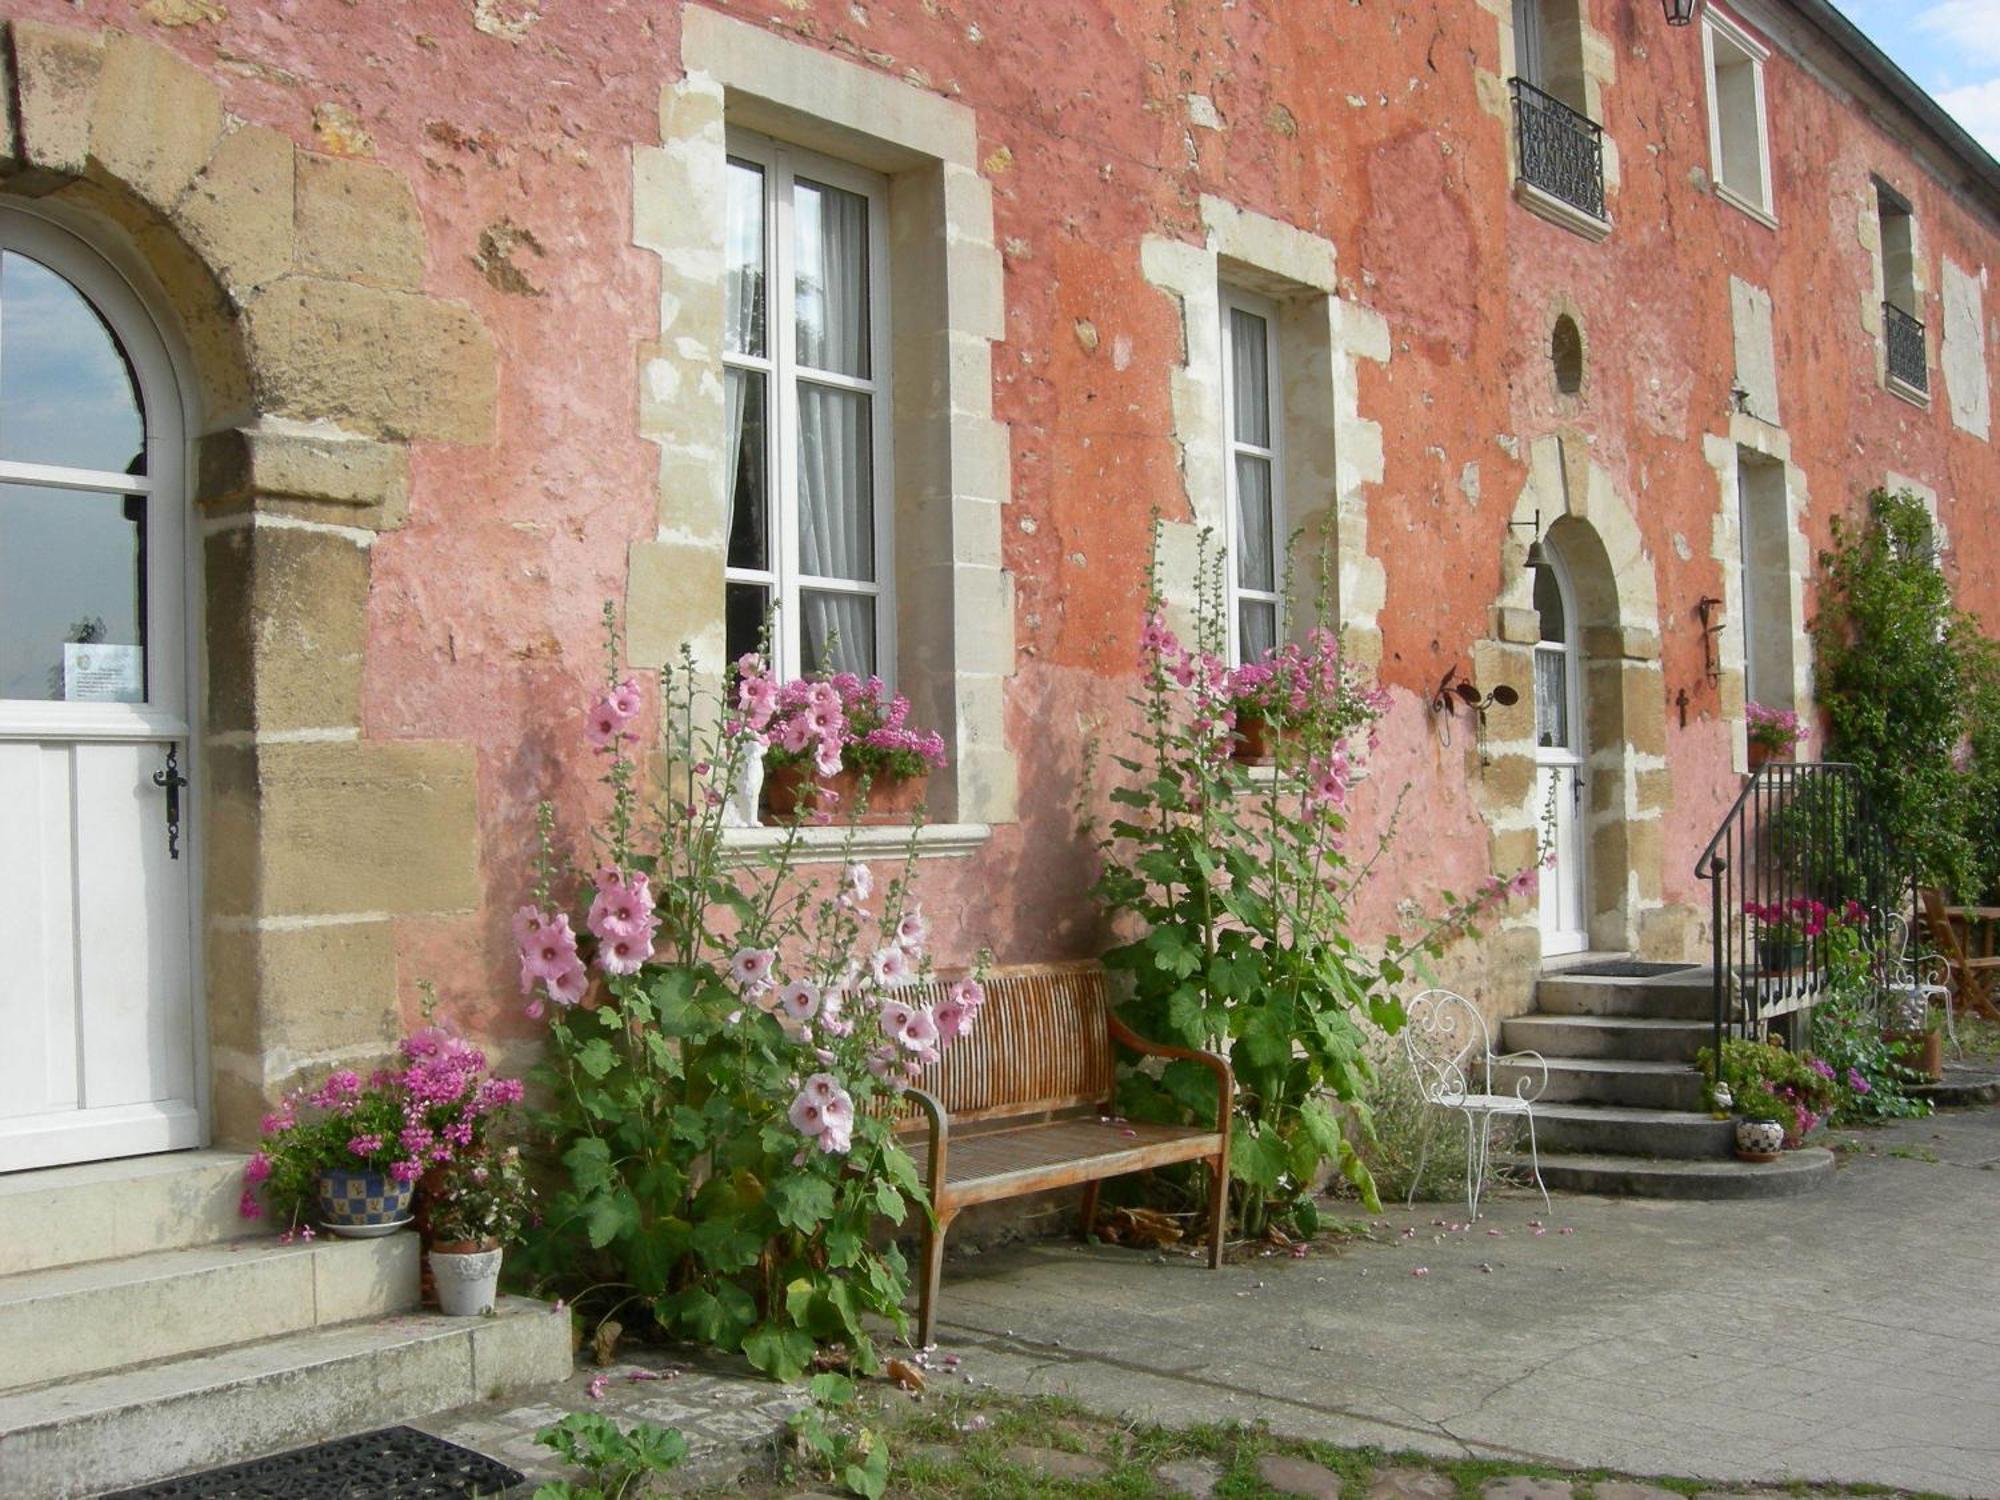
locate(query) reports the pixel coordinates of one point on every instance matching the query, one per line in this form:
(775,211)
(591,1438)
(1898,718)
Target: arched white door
(1560,752)
(96,889)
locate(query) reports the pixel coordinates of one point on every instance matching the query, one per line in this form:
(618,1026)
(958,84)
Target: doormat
(394,1463)
(1621,968)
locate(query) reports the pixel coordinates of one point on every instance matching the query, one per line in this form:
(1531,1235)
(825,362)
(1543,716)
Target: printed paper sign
(104,674)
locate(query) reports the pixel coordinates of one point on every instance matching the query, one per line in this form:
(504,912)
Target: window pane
(743,330)
(1549,605)
(1551,697)
(836,484)
(67,392)
(743,610)
(837,632)
(72,573)
(832,310)
(745,404)
(1249,369)
(1256,546)
(1256,628)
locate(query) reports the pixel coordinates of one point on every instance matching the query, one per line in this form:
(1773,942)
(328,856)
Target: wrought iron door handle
(173,781)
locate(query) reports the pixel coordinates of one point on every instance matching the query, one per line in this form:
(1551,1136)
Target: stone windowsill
(837,842)
(1746,205)
(1897,386)
(1548,206)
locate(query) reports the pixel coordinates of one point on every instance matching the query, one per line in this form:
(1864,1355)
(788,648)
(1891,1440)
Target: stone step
(66,1321)
(132,1426)
(1606,1036)
(1599,1080)
(1672,998)
(105,1209)
(1639,1177)
(1643,1085)
(1621,1130)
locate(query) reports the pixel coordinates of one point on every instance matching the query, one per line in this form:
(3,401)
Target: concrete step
(104,1209)
(1689,997)
(1621,1130)
(66,1321)
(1638,1177)
(1606,1036)
(1643,1085)
(132,1426)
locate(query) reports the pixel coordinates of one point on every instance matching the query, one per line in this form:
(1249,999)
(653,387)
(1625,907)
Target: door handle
(173,781)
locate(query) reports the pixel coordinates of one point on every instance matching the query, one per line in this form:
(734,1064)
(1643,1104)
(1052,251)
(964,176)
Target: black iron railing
(1799,833)
(1561,151)
(1904,336)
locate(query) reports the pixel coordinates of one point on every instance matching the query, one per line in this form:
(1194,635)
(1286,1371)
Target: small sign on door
(98,673)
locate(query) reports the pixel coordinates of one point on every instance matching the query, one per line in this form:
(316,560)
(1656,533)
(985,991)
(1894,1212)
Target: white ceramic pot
(1759,1140)
(467,1281)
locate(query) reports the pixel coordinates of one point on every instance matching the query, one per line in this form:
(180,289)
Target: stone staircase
(147,1330)
(1622,1112)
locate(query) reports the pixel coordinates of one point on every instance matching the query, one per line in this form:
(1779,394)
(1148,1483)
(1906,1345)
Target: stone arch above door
(1624,695)
(291,283)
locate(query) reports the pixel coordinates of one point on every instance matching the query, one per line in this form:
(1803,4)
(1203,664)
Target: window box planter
(794,791)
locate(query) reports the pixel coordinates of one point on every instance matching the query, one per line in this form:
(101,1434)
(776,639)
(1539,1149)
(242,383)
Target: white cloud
(1971,25)
(1976,106)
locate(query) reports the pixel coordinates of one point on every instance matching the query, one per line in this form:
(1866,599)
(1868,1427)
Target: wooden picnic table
(1986,919)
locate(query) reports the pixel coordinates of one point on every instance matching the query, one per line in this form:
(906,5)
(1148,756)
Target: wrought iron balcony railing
(1904,336)
(1561,151)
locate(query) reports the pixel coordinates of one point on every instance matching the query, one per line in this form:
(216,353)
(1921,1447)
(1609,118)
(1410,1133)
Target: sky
(1950,47)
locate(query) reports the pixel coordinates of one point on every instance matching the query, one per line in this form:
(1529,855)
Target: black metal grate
(1562,152)
(1905,338)
(394,1463)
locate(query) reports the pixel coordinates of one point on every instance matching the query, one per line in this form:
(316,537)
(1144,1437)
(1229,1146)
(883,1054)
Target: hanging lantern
(1680,12)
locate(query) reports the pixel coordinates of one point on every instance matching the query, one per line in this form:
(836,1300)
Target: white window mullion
(785,427)
(883,489)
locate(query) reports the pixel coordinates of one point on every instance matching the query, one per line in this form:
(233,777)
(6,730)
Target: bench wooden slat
(1000,1164)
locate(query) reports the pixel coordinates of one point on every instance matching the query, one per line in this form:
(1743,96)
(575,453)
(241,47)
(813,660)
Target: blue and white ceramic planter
(361,1205)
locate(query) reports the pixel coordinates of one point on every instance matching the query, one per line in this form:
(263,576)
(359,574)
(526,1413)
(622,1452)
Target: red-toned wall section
(1360,123)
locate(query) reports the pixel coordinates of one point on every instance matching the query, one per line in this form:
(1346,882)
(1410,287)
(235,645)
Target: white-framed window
(806,403)
(1739,144)
(1255,473)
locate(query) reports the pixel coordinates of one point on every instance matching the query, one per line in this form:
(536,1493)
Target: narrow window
(1256,500)
(1902,330)
(1739,151)
(1566,355)
(805,381)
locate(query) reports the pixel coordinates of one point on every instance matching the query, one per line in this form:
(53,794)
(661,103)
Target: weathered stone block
(358,221)
(287,629)
(56,72)
(673,595)
(313,471)
(385,363)
(156,119)
(366,826)
(303,991)
(238,213)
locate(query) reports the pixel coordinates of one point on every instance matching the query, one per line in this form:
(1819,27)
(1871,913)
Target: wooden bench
(1024,1102)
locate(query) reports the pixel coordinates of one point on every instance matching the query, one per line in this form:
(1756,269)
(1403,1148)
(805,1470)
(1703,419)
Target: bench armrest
(1225,1077)
(939,1125)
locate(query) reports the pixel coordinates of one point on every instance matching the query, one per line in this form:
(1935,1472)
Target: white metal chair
(1451,1053)
(1911,983)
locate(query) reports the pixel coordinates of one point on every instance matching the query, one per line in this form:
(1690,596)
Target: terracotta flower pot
(1256,740)
(1921,1052)
(1761,754)
(789,792)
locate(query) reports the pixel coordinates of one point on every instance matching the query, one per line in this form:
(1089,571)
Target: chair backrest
(1446,1041)
(1937,922)
(1041,1044)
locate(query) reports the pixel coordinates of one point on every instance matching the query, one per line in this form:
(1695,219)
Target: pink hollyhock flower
(833,1011)
(795,735)
(757,698)
(527,923)
(807,1114)
(623,906)
(604,725)
(553,951)
(826,756)
(625,955)
(860,881)
(958,1010)
(1154,637)
(751,965)
(800,999)
(891,968)
(570,986)
(895,1018)
(1526,881)
(883,1062)
(625,698)
(911,929)
(920,1032)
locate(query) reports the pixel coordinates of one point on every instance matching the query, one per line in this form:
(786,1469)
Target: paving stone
(1298,1476)
(1523,1487)
(1193,1478)
(1624,1489)
(1412,1484)
(1053,1463)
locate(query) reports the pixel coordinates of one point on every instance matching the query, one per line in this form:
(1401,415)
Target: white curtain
(1249,370)
(743,236)
(1256,552)
(832,291)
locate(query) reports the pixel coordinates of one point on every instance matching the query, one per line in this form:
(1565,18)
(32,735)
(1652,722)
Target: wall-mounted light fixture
(1452,690)
(1536,558)
(1680,12)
